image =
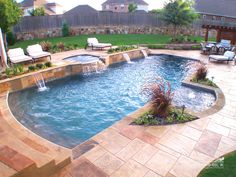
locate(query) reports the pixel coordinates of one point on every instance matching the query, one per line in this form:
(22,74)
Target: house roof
(30,3)
(82,9)
(140,2)
(216,7)
(53,4)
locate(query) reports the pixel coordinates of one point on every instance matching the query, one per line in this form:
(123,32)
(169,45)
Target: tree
(40,11)
(132,7)
(10,15)
(179,13)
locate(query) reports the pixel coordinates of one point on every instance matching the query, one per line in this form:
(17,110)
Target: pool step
(6,171)
(43,158)
(14,163)
(28,162)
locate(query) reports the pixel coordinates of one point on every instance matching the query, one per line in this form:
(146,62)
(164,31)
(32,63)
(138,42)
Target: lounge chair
(93,42)
(36,52)
(228,56)
(17,55)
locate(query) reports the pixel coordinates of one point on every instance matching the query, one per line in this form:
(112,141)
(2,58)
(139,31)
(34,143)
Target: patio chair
(204,49)
(36,52)
(93,42)
(17,55)
(228,56)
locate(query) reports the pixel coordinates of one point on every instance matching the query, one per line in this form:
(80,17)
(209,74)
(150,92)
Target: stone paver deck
(183,150)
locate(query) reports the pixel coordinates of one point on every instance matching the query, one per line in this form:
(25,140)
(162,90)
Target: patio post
(3,56)
(206,34)
(218,36)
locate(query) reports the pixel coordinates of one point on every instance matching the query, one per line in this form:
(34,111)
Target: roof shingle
(81,9)
(216,7)
(139,2)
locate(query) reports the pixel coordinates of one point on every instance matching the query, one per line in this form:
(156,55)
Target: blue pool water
(78,107)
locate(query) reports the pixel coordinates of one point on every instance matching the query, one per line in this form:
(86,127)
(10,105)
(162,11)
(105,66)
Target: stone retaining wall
(56,32)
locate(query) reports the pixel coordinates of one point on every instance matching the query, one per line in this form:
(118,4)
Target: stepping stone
(85,168)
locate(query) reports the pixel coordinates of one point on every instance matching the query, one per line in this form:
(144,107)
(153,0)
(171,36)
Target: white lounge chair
(36,52)
(228,56)
(17,55)
(93,42)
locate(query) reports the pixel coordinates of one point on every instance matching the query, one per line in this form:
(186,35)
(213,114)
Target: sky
(69,4)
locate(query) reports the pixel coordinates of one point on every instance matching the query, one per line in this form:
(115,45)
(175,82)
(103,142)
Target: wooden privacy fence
(29,23)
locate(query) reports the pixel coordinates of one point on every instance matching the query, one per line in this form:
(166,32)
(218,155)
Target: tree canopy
(179,13)
(132,7)
(40,11)
(10,14)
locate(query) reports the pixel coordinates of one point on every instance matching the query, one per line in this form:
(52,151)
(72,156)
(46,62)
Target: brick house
(50,8)
(218,16)
(122,5)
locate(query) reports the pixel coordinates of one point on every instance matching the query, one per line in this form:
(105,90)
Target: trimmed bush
(65,29)
(39,65)
(31,68)
(48,64)
(11,39)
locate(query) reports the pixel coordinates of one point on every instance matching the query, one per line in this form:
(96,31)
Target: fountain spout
(39,81)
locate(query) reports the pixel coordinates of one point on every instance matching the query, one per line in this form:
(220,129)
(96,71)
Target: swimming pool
(76,108)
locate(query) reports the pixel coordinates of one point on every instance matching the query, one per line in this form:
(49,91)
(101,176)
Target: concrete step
(6,171)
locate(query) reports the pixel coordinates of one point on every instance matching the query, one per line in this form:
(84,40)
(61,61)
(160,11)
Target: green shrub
(8,72)
(48,64)
(196,47)
(122,48)
(15,70)
(152,46)
(39,65)
(11,39)
(31,68)
(146,119)
(65,29)
(20,68)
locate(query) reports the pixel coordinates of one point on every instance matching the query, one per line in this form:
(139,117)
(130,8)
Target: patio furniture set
(34,52)
(217,48)
(219,52)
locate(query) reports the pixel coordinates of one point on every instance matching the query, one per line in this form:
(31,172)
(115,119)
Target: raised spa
(76,108)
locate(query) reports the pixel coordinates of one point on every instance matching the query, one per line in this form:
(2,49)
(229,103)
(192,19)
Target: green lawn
(114,39)
(228,170)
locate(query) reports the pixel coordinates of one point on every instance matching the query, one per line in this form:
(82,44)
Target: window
(203,16)
(214,18)
(223,19)
(107,6)
(122,6)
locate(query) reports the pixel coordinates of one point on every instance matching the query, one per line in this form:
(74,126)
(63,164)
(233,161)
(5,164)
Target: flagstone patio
(182,150)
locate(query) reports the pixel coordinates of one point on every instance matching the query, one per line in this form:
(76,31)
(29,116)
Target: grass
(114,39)
(228,169)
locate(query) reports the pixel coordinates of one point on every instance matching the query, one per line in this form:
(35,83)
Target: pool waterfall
(39,81)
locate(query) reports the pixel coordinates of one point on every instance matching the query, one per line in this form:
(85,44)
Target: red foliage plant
(201,71)
(160,96)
